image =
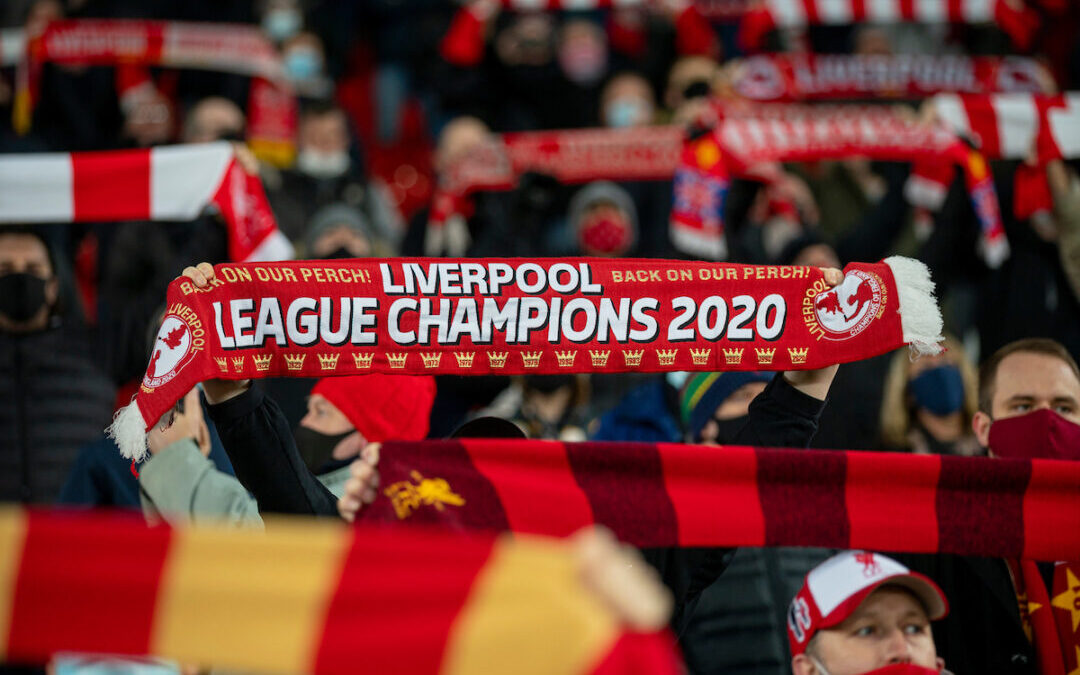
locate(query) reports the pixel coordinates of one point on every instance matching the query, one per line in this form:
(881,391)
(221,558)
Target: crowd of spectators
(386,106)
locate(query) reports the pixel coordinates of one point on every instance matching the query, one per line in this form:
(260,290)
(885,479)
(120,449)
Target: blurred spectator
(551,407)
(928,404)
(603,220)
(714,406)
(339,231)
(649,413)
(57,399)
(627,101)
(326,173)
(213,119)
(582,52)
(305,66)
(690,77)
(280,19)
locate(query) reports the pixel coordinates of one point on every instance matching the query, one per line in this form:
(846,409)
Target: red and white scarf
(167,183)
(801,77)
(512,316)
(1012,17)
(232,48)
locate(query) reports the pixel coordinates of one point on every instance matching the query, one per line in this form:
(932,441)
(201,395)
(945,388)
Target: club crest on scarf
(407,497)
(181,335)
(846,310)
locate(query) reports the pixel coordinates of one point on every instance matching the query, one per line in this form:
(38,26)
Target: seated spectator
(213,119)
(548,407)
(339,231)
(603,220)
(860,612)
(55,398)
(715,405)
(928,404)
(691,77)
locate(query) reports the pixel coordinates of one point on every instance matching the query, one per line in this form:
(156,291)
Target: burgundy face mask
(1042,434)
(903,669)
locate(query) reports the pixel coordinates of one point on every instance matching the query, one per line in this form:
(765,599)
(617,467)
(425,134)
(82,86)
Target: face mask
(726,430)
(322,164)
(605,236)
(303,64)
(626,113)
(317,449)
(583,62)
(340,253)
(939,390)
(21,296)
(1042,434)
(894,669)
(281,24)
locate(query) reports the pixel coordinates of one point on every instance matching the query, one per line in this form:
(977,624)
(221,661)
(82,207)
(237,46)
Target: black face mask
(340,253)
(726,430)
(21,296)
(317,449)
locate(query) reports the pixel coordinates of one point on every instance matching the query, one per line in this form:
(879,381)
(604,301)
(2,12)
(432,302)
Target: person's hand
(363,484)
(621,579)
(217,391)
(816,383)
(183,421)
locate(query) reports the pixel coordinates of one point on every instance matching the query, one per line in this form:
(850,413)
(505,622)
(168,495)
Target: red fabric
(1048,654)
(385,570)
(272,121)
(694,35)
(382,407)
(639,653)
(1031,192)
(463,44)
(514,316)
(109,186)
(249,222)
(732,496)
(1065,604)
(113,566)
(700,190)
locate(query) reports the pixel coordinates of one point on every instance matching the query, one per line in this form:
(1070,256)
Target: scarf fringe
(920,315)
(128,431)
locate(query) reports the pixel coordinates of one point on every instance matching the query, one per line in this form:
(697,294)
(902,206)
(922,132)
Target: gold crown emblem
(222,363)
(262,361)
(599,358)
(431,360)
(238,363)
(295,361)
(531,359)
(633,358)
(363,360)
(464,359)
(700,357)
(328,361)
(397,360)
(764,355)
(797,355)
(566,359)
(667,356)
(497,359)
(732,356)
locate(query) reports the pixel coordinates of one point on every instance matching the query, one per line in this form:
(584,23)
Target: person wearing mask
(627,102)
(339,231)
(304,61)
(735,628)
(551,407)
(55,398)
(928,405)
(1029,407)
(326,173)
(860,612)
(213,119)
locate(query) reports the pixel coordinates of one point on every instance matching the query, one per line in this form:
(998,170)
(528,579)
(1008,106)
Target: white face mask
(322,164)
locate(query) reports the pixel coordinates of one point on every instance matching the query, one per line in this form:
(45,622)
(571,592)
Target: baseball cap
(833,590)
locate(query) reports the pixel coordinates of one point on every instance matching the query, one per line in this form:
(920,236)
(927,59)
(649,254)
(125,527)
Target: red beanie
(382,407)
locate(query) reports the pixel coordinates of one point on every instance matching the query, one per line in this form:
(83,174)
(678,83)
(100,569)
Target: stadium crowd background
(386,104)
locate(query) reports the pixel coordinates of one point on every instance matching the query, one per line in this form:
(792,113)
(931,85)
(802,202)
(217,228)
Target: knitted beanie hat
(382,407)
(703,393)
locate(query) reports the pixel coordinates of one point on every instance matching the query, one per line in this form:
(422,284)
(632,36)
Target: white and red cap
(833,590)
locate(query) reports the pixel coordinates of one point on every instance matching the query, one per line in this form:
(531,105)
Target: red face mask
(903,669)
(605,236)
(1042,434)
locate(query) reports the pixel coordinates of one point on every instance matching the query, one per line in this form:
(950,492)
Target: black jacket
(54,401)
(260,445)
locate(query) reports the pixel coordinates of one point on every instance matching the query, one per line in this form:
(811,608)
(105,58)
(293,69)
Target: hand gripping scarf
(512,316)
(165,183)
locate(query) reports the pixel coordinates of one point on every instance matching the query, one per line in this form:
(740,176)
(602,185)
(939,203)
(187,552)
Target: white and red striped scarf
(1019,22)
(232,48)
(167,183)
(805,77)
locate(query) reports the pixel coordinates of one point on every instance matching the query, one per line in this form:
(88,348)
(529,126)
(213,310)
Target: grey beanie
(333,216)
(602,191)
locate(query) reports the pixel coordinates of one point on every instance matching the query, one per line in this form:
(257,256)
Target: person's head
(872,41)
(582,51)
(689,78)
(860,611)
(604,219)
(281,19)
(457,139)
(323,142)
(940,385)
(344,414)
(212,119)
(304,58)
(1029,401)
(526,40)
(339,231)
(40,13)
(29,289)
(713,405)
(627,101)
